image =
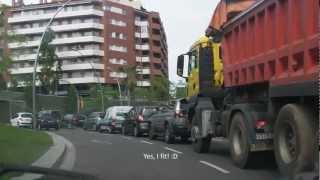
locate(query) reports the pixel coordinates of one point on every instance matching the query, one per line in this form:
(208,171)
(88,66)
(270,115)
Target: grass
(22,146)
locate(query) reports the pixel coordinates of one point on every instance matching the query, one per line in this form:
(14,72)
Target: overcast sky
(184,22)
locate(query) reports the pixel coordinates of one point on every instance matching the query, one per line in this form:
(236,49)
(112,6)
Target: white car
(22,119)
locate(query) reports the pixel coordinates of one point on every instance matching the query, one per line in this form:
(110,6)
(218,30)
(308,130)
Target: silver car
(22,119)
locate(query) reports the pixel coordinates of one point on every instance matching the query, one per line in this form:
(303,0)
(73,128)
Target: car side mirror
(181,70)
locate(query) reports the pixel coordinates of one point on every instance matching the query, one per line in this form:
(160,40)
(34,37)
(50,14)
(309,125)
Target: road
(117,157)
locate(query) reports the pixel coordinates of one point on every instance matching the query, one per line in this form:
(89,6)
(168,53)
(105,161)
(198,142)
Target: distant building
(93,38)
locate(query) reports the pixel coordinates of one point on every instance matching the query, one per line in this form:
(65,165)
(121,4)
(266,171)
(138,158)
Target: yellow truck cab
(204,70)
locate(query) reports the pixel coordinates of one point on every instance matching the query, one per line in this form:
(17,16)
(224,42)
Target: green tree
(130,81)
(72,100)
(5,38)
(49,76)
(160,87)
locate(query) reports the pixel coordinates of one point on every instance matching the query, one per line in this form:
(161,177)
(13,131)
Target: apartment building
(93,40)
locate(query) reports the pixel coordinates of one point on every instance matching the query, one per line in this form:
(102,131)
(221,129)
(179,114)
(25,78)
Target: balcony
(63,54)
(143,47)
(143,83)
(82,66)
(141,35)
(141,23)
(143,71)
(50,15)
(71,40)
(143,59)
(26,70)
(82,80)
(60,28)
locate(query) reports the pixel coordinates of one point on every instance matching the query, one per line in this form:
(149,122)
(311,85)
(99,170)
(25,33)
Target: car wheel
(295,139)
(169,138)
(239,142)
(136,131)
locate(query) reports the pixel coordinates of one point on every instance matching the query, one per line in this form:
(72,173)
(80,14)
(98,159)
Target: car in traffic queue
(93,119)
(21,119)
(49,119)
(114,117)
(137,123)
(169,125)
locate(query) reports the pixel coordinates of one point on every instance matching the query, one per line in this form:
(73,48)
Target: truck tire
(136,132)
(201,145)
(294,140)
(169,138)
(239,142)
(151,134)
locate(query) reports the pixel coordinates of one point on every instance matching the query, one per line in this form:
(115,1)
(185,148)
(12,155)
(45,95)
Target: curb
(60,147)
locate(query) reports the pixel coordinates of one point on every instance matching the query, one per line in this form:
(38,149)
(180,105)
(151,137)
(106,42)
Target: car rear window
(26,115)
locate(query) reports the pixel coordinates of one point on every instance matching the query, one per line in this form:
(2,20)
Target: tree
(130,81)
(72,100)
(160,88)
(49,76)
(5,38)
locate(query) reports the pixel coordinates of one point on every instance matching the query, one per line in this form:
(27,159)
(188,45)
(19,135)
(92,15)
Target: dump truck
(257,85)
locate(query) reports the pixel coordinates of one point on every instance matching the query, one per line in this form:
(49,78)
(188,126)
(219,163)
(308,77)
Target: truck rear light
(261,124)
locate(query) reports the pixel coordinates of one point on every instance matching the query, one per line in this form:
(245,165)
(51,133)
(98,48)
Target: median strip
(173,150)
(146,142)
(224,171)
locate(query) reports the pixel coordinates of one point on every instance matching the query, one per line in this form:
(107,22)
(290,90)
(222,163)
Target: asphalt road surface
(117,157)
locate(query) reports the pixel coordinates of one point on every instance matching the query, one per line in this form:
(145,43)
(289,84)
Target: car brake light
(261,124)
(140,118)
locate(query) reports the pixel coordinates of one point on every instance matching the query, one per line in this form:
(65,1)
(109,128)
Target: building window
(118,61)
(118,48)
(117,35)
(115,10)
(118,23)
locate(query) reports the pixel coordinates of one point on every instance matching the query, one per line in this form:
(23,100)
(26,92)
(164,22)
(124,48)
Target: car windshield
(160,89)
(26,115)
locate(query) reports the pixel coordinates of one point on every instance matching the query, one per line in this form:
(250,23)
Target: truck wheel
(123,131)
(201,145)
(169,138)
(239,143)
(295,140)
(136,132)
(151,134)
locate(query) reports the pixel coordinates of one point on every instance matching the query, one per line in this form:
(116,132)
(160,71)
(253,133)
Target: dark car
(78,120)
(137,122)
(169,125)
(92,121)
(49,119)
(114,117)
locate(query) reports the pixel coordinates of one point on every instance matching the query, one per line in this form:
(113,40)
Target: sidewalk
(60,147)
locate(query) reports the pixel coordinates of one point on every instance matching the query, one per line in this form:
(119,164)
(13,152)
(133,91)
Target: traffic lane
(264,167)
(125,159)
(122,157)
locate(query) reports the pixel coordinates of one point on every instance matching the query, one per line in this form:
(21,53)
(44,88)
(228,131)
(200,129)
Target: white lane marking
(146,142)
(173,150)
(224,171)
(101,142)
(127,138)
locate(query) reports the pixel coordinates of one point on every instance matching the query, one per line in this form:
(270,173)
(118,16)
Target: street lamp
(95,72)
(119,87)
(36,63)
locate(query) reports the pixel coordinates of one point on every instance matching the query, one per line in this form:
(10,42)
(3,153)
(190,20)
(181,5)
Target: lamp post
(36,63)
(119,87)
(99,82)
